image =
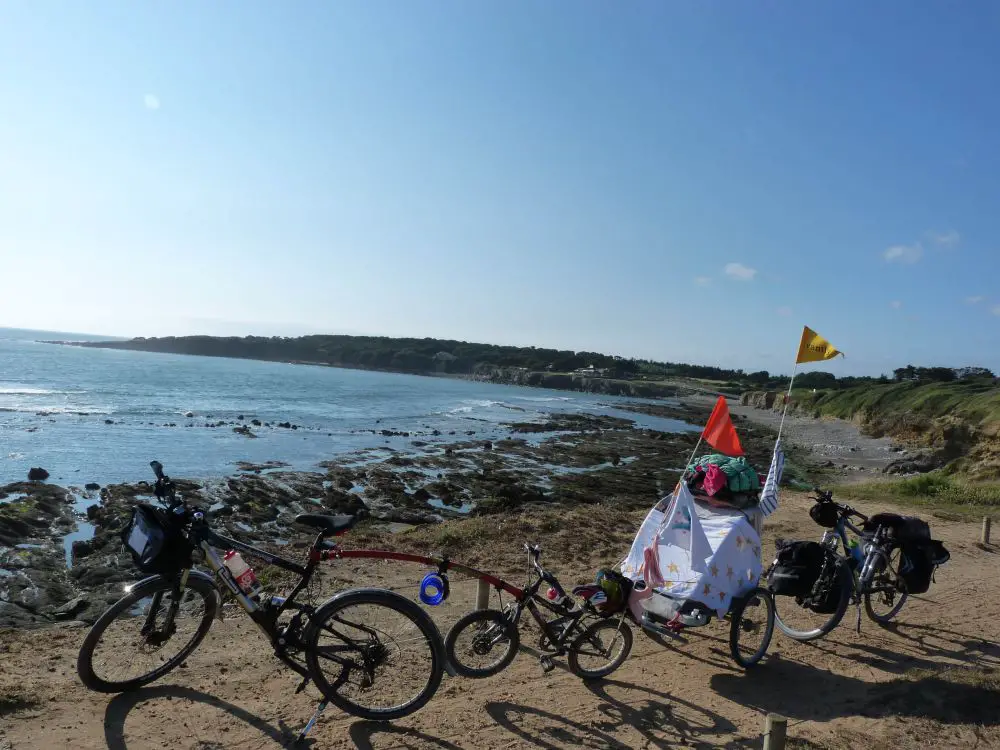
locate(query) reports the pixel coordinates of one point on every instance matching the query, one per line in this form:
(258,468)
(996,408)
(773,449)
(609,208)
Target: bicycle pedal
(547,664)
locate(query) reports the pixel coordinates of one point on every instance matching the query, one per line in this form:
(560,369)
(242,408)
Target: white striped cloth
(769,495)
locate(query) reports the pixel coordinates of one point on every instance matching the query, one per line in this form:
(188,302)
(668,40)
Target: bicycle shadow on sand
(661,720)
(951,695)
(218,736)
(361,734)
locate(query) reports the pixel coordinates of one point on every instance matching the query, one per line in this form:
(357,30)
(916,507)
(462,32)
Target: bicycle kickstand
(312,722)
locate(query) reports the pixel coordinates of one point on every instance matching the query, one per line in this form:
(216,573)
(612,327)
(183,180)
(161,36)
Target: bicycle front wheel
(481,644)
(803,624)
(147,633)
(751,627)
(374,654)
(600,649)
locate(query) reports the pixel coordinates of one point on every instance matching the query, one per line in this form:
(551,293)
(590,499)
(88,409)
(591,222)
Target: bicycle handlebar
(845,510)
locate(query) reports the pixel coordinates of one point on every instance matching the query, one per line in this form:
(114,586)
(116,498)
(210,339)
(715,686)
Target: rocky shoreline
(570,460)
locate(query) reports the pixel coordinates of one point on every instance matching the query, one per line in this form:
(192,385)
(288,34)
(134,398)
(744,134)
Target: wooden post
(482,595)
(774,732)
(985,538)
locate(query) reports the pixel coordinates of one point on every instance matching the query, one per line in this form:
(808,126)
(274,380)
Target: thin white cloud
(785,312)
(702,280)
(903,253)
(895,304)
(948,239)
(151,101)
(974,300)
(740,272)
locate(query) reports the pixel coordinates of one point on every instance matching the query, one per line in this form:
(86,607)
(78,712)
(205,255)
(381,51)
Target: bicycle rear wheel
(751,627)
(147,633)
(374,654)
(890,593)
(600,649)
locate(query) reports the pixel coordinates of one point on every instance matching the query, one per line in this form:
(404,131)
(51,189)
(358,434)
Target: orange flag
(720,432)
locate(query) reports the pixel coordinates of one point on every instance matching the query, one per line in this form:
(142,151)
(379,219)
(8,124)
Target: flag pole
(788,398)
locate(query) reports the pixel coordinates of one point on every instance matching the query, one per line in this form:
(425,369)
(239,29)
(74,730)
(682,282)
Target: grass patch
(934,492)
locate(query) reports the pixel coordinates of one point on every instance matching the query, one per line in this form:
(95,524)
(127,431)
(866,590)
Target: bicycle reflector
(434,588)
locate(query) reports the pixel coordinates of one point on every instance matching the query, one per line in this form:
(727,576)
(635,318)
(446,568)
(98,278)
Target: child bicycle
(484,643)
(371,652)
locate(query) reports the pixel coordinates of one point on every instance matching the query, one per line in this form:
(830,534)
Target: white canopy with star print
(705,554)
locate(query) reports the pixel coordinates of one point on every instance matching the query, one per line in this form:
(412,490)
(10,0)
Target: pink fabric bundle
(651,566)
(715,480)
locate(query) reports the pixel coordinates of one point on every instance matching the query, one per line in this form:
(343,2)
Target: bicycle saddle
(327,524)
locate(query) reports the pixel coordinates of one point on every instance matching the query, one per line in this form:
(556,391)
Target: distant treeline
(463,358)
(381,353)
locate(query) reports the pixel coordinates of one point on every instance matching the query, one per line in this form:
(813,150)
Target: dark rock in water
(109,421)
(244,430)
(93,511)
(470,432)
(240,418)
(92,486)
(37,474)
(255,422)
(487,446)
(82,548)
(616,459)
(436,433)
(286,425)
(422,495)
(295,427)
(189,415)
(71,608)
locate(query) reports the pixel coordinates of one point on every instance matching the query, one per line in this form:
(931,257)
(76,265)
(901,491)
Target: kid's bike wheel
(802,624)
(481,644)
(751,627)
(147,633)
(600,649)
(374,654)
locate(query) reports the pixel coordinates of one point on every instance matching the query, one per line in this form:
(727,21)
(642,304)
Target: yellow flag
(815,348)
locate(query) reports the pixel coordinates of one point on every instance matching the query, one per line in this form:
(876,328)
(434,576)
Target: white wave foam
(22,391)
(43,409)
(543,398)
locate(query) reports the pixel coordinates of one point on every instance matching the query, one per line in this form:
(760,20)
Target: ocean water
(56,403)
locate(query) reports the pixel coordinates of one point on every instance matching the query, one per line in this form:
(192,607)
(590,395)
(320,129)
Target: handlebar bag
(156,541)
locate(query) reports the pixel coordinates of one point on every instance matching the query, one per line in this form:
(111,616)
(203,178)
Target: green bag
(740,475)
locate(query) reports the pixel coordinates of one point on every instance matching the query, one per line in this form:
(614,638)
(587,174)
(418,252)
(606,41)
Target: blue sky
(679,180)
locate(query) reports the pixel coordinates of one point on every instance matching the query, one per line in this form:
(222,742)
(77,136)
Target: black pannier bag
(797,567)
(155,541)
(902,528)
(829,591)
(920,558)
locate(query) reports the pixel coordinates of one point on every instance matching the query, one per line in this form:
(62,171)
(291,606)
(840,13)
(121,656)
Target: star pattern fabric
(730,568)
